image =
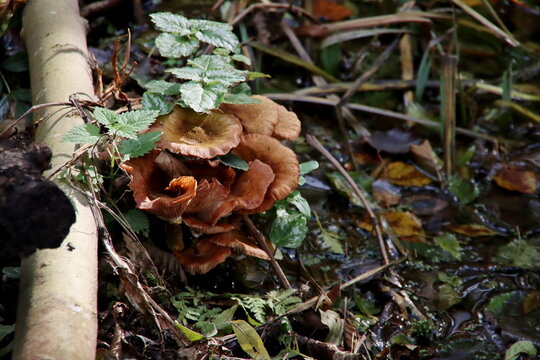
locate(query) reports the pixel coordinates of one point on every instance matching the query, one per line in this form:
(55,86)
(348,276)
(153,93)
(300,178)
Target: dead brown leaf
(516,179)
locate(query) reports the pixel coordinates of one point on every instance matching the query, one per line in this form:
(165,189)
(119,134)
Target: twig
(312,140)
(33,108)
(448,92)
(391,114)
(261,241)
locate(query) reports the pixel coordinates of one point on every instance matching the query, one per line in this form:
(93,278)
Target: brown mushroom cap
(281,159)
(204,257)
(210,195)
(201,135)
(266,117)
(155,191)
(199,227)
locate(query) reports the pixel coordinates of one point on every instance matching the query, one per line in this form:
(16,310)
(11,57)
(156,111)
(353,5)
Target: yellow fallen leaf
(472,230)
(400,173)
(516,179)
(403,223)
(249,340)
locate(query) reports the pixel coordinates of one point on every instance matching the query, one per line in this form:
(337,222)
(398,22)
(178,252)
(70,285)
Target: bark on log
(57,314)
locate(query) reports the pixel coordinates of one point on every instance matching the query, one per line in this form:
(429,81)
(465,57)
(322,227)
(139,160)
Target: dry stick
(262,243)
(287,7)
(32,109)
(391,114)
(312,140)
(449,112)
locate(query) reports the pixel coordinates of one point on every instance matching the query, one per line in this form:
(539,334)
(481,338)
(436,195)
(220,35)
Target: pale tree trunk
(57,314)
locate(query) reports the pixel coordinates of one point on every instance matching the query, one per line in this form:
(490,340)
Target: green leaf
(234,162)
(288,229)
(249,340)
(202,99)
(207,328)
(252,75)
(163,87)
(83,134)
(141,145)
(308,166)
(5,330)
(520,347)
(335,325)
(169,22)
(499,304)
(228,76)
(423,75)
(105,116)
(241,58)
(190,334)
(464,190)
(176,46)
(450,243)
(139,221)
(341,185)
(11,272)
(223,320)
(239,99)
(519,253)
(131,122)
(331,58)
(187,73)
(296,199)
(219,37)
(156,102)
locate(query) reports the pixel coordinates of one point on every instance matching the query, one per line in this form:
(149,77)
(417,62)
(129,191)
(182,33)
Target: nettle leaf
(139,221)
(202,99)
(228,76)
(131,122)
(288,229)
(141,145)
(163,87)
(296,199)
(241,58)
(105,116)
(239,99)
(188,73)
(308,166)
(169,22)
(156,102)
(210,62)
(219,37)
(84,134)
(176,46)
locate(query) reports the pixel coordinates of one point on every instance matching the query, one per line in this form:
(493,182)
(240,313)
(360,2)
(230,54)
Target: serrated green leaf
(163,87)
(210,62)
(208,24)
(241,58)
(131,122)
(143,144)
(187,73)
(228,76)
(139,221)
(176,46)
(202,99)
(83,134)
(169,22)
(289,229)
(234,161)
(450,243)
(156,102)
(219,37)
(190,334)
(105,116)
(249,340)
(239,99)
(221,52)
(520,347)
(308,166)
(296,199)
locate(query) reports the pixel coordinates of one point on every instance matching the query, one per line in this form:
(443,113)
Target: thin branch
(261,241)
(312,140)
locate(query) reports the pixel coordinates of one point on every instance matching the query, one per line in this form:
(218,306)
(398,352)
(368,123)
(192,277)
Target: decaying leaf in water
(400,173)
(403,223)
(516,179)
(472,230)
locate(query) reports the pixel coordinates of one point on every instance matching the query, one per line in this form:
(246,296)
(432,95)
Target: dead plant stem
(312,140)
(262,243)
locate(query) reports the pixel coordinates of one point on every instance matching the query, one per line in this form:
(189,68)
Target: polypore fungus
(266,117)
(280,158)
(189,133)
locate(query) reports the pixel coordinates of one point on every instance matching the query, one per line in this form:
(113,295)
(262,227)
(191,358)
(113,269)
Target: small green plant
(206,81)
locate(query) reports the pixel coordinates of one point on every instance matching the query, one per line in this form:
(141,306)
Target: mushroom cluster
(183,182)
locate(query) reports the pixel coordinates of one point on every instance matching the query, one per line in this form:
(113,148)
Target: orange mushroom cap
(236,240)
(281,159)
(204,257)
(155,191)
(205,136)
(266,117)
